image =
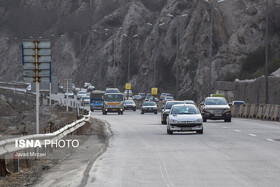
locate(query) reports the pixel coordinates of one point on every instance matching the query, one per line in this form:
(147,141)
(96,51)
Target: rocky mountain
(89,45)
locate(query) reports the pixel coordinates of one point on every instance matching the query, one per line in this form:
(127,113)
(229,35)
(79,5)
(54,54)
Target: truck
(96,100)
(113,102)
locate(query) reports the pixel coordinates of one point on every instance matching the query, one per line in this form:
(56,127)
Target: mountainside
(239,28)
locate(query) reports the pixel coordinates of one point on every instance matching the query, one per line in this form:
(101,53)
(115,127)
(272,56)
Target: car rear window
(149,104)
(215,102)
(170,104)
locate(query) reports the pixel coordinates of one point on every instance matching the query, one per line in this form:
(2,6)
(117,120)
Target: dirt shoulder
(73,166)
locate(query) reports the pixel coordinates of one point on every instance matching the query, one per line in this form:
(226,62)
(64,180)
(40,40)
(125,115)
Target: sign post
(154,91)
(127,88)
(36,59)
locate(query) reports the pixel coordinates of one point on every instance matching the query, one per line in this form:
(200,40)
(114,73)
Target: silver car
(85,100)
(80,94)
(184,117)
(166,109)
(149,107)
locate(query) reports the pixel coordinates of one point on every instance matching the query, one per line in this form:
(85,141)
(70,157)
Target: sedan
(184,117)
(129,105)
(85,100)
(149,107)
(166,109)
(90,88)
(81,94)
(70,95)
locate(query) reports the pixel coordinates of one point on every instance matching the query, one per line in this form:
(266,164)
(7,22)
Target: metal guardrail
(8,146)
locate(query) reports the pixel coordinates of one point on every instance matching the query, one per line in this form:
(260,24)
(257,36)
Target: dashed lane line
(252,135)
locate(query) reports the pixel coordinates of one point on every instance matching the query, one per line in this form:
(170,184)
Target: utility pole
(177,51)
(154,63)
(211,51)
(129,43)
(266,54)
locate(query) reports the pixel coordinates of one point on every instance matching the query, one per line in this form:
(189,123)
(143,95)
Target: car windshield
(113,97)
(141,94)
(112,91)
(82,93)
(184,110)
(170,104)
(216,102)
(149,104)
(128,102)
(239,103)
(169,98)
(96,101)
(189,102)
(86,98)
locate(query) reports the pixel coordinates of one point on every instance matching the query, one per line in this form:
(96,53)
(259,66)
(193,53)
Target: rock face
(88,44)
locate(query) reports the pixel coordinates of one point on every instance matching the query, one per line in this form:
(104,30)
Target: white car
(80,94)
(85,100)
(184,117)
(70,95)
(189,102)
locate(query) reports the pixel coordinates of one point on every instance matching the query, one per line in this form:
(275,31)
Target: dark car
(129,105)
(166,109)
(215,108)
(149,107)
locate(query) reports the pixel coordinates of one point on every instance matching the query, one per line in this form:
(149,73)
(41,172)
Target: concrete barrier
(266,110)
(233,107)
(252,110)
(276,113)
(241,110)
(260,112)
(246,110)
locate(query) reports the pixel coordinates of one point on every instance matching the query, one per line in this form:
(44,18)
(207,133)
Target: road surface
(241,153)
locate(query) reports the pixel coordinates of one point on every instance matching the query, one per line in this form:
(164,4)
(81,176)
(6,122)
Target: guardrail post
(16,162)
(3,169)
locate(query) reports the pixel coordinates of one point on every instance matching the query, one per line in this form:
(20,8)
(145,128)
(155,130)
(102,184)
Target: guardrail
(8,145)
(258,111)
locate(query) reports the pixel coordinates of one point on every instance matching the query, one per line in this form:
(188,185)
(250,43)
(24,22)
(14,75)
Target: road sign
(31,73)
(65,85)
(42,44)
(128,86)
(31,66)
(154,91)
(36,60)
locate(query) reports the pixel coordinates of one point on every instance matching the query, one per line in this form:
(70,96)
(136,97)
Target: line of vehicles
(177,115)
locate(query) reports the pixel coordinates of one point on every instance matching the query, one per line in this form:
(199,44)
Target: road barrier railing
(258,111)
(8,145)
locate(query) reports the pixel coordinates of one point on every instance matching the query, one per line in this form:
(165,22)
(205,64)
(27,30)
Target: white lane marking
(225,127)
(237,130)
(270,140)
(252,135)
(162,175)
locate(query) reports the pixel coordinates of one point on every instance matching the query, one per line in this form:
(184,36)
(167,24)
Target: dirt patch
(40,168)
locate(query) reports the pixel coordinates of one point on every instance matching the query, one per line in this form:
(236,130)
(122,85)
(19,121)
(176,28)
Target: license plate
(186,128)
(114,109)
(218,114)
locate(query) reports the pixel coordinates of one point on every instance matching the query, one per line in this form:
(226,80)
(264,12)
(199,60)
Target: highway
(244,152)
(241,153)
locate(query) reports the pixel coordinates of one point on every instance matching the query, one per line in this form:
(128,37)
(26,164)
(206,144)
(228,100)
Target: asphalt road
(244,152)
(241,153)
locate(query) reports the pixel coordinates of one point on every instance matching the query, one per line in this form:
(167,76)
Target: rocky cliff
(88,44)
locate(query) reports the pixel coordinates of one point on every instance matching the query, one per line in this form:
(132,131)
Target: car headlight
(198,121)
(173,121)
